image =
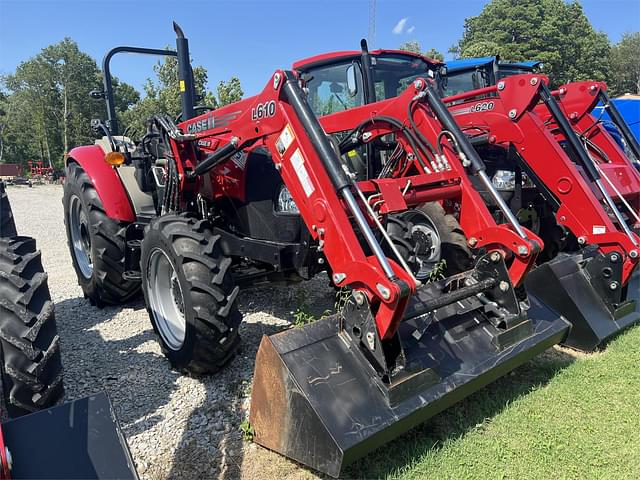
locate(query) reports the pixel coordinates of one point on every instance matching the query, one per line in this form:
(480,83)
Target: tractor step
(319,398)
(586,289)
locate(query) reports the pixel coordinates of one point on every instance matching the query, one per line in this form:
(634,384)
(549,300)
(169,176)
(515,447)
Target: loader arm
(622,180)
(441,174)
(509,116)
(280,120)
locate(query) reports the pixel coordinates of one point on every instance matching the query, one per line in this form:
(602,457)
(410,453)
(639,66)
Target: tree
(163,94)
(47,105)
(551,31)
(414,46)
(625,65)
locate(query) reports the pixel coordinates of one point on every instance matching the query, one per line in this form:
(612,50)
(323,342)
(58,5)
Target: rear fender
(106,181)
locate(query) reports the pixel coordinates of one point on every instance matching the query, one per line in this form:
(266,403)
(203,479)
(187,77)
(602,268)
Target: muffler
(587,289)
(330,392)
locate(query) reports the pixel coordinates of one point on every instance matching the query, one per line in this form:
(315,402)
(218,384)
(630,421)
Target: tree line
(46,109)
(554,32)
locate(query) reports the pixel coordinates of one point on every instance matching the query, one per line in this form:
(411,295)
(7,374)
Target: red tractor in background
(558,184)
(258,190)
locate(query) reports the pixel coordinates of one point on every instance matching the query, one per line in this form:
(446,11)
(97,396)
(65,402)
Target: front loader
(258,191)
(578,191)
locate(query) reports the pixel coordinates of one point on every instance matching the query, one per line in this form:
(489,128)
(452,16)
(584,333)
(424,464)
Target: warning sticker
(285,139)
(597,229)
(297,162)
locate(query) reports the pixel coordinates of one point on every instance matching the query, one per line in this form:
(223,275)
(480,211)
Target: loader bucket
(80,439)
(580,287)
(317,400)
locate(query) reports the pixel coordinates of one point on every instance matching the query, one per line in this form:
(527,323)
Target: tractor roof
(332,57)
(470,63)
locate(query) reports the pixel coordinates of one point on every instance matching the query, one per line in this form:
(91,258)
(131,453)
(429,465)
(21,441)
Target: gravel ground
(176,426)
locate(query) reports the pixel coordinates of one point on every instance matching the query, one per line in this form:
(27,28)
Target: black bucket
(80,439)
(586,289)
(317,399)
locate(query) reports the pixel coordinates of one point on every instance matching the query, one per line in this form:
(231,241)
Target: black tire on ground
(200,287)
(453,244)
(7,224)
(31,367)
(105,241)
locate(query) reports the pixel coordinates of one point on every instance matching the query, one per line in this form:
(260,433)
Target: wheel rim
(428,245)
(166,300)
(80,237)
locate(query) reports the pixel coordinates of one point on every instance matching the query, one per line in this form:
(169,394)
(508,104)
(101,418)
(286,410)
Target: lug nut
(358,297)
(522,250)
(504,286)
(513,113)
(418,84)
(633,254)
(534,81)
(473,241)
(495,257)
(500,85)
(614,258)
(582,240)
(613,285)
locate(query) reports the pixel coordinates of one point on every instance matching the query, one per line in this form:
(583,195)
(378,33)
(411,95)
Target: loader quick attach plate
(316,401)
(579,288)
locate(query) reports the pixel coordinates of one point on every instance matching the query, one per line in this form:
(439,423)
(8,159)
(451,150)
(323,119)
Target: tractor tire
(453,243)
(452,247)
(7,224)
(96,242)
(190,293)
(31,366)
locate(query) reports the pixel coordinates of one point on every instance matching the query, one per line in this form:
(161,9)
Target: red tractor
(555,166)
(259,190)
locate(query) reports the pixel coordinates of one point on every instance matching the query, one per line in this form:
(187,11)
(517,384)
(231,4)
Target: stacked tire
(30,367)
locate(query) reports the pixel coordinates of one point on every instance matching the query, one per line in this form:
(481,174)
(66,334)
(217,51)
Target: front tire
(96,242)
(190,294)
(31,366)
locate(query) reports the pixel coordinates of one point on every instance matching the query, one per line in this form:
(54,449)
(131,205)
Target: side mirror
(97,94)
(352,84)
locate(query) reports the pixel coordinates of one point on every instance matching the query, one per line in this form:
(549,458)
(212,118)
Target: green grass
(555,417)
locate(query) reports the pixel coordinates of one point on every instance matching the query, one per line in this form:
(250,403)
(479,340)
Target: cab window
(329,90)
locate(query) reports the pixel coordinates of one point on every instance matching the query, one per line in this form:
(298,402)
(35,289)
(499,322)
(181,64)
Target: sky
(249,39)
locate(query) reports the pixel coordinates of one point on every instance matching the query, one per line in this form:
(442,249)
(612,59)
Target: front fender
(105,180)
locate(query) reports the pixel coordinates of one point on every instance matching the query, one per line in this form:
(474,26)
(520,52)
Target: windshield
(329,91)
(507,72)
(392,74)
(466,80)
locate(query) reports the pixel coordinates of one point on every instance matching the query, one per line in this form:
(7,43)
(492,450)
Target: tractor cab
(340,81)
(474,73)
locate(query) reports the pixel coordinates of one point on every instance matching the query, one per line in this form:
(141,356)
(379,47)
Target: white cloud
(399,28)
(411,29)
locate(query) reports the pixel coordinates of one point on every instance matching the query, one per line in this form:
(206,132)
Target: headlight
(285,202)
(506,180)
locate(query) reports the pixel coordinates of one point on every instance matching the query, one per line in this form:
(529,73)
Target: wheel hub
(166,300)
(79,228)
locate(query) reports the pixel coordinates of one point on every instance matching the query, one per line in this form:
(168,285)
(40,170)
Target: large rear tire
(31,366)
(7,224)
(190,294)
(96,242)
